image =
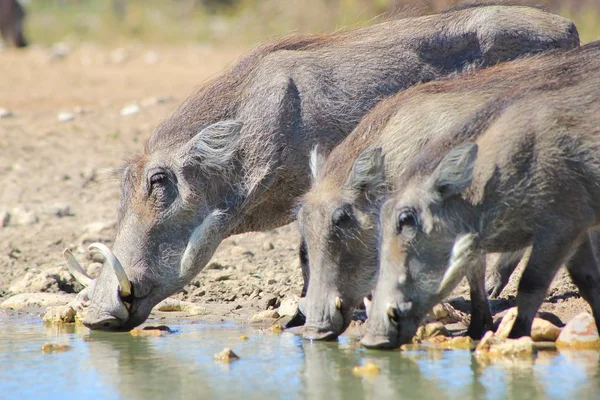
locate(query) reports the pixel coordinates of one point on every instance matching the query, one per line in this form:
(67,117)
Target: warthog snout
(326,320)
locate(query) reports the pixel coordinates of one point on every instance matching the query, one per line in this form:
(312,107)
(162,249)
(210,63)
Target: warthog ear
(317,160)
(368,172)
(214,146)
(455,171)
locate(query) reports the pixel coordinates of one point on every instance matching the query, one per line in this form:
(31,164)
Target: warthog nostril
(392,313)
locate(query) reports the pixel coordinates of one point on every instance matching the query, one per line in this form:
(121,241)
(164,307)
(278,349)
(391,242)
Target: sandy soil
(56,188)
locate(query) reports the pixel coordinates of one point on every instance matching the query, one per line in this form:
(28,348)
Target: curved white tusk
(367,303)
(124,284)
(199,240)
(75,269)
(338,303)
(390,312)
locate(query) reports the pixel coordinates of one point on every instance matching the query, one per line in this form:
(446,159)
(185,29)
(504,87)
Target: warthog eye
(342,217)
(158,178)
(406,220)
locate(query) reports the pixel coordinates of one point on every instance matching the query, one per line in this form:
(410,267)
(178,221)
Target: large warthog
(11,22)
(339,216)
(234,157)
(524,171)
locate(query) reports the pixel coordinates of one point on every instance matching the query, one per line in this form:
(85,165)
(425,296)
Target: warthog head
(425,249)
(170,222)
(340,228)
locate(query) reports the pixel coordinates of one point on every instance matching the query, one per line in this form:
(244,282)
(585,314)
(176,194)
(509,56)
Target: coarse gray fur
(523,171)
(271,108)
(351,181)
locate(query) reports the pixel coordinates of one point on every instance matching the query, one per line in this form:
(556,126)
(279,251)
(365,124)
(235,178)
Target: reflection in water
(180,366)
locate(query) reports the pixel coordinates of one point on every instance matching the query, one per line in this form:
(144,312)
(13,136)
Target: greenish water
(181,366)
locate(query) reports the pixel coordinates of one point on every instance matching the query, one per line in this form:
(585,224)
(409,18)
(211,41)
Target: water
(180,366)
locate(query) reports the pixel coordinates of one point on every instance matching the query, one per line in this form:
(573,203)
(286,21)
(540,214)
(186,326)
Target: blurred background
(237,22)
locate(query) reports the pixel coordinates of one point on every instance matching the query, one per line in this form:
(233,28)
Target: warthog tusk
(462,254)
(199,239)
(367,303)
(338,303)
(75,269)
(124,284)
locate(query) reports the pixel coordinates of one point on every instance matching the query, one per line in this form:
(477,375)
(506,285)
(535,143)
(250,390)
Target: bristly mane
(218,99)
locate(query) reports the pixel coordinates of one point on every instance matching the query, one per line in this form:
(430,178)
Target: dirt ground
(58,193)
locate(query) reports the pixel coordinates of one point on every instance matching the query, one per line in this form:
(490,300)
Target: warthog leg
(481,317)
(585,272)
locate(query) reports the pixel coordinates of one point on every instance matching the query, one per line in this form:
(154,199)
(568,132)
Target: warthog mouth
(99,319)
(326,328)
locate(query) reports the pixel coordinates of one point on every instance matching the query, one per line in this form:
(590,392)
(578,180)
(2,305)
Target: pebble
(58,51)
(47,280)
(492,346)
(55,348)
(226,355)
(130,110)
(189,308)
(4,218)
(579,333)
(58,210)
(22,216)
(368,369)
(65,116)
(289,306)
(267,300)
(541,330)
(268,246)
(4,113)
(119,56)
(431,330)
(58,314)
(151,57)
(155,100)
(152,331)
(93,270)
(265,316)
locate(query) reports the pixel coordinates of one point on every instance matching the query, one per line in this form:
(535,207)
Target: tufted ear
(455,171)
(317,161)
(368,172)
(214,147)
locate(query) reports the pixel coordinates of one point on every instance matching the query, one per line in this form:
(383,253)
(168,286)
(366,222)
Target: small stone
(227,355)
(55,348)
(268,246)
(457,343)
(369,369)
(265,316)
(579,333)
(248,253)
(244,337)
(268,300)
(97,257)
(151,57)
(155,100)
(288,306)
(271,281)
(492,346)
(222,277)
(58,314)
(119,56)
(170,304)
(276,328)
(152,331)
(22,216)
(58,210)
(4,218)
(58,51)
(65,116)
(93,270)
(4,113)
(431,330)
(130,110)
(541,330)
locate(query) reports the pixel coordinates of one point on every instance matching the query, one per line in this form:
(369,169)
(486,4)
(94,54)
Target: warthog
(339,216)
(11,22)
(234,157)
(524,171)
